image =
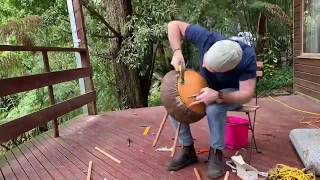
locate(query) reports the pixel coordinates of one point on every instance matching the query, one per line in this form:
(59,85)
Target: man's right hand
(177,59)
(176,32)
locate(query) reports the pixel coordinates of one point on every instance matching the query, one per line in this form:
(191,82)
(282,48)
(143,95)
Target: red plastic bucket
(236,132)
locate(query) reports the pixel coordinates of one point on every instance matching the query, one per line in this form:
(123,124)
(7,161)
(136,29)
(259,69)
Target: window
(311,26)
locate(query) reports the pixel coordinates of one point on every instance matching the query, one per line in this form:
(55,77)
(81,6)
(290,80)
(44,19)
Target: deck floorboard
(67,156)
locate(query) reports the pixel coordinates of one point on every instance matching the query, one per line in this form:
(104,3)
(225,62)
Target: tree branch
(104,36)
(97,15)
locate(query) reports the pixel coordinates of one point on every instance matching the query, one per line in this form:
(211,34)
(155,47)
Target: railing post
(80,40)
(50,90)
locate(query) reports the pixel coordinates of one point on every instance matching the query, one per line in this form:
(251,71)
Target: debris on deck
(89,170)
(164,149)
(129,141)
(203,150)
(108,155)
(244,170)
(226,176)
(196,172)
(146,130)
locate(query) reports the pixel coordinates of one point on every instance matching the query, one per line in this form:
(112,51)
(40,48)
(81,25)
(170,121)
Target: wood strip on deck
(67,157)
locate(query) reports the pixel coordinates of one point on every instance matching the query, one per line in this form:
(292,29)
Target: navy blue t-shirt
(245,70)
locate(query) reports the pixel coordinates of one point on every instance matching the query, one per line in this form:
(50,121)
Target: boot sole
(176,168)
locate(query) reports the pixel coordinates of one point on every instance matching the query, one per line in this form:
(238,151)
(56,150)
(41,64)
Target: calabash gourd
(177,97)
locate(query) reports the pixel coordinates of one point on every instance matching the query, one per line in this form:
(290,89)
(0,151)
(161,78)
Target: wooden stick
(89,170)
(308,122)
(226,177)
(196,172)
(108,155)
(175,140)
(160,129)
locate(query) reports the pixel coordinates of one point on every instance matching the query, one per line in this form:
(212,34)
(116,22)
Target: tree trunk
(133,89)
(261,39)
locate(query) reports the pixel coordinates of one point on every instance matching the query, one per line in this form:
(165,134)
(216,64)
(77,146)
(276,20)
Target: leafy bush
(154,97)
(280,78)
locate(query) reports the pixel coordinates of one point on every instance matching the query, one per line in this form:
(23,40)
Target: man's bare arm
(176,32)
(244,95)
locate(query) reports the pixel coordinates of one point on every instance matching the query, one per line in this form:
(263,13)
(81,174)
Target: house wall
(306,67)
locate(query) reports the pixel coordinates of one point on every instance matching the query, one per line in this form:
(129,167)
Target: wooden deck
(67,157)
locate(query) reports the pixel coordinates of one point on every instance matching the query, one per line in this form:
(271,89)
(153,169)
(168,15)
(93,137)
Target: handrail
(9,86)
(40,48)
(23,124)
(25,83)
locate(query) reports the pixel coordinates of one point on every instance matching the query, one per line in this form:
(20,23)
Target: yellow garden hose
(295,109)
(285,172)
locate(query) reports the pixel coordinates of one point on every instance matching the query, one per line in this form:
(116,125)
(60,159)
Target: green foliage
(30,102)
(18,31)
(154,97)
(280,78)
(148,27)
(220,16)
(105,86)
(276,53)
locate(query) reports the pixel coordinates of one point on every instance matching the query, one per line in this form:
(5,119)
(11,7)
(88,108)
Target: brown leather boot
(186,157)
(216,166)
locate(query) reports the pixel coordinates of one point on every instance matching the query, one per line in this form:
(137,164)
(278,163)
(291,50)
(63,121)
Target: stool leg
(175,141)
(160,129)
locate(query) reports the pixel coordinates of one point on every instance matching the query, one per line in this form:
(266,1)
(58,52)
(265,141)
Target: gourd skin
(176,105)
(193,83)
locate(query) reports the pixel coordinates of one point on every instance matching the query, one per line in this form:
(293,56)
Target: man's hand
(176,32)
(177,59)
(206,96)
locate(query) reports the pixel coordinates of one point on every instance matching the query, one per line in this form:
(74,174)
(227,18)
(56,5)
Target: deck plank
(142,143)
(139,141)
(120,148)
(116,169)
(41,171)
(126,165)
(6,169)
(75,147)
(53,171)
(1,174)
(85,156)
(15,166)
(26,166)
(72,158)
(55,161)
(74,170)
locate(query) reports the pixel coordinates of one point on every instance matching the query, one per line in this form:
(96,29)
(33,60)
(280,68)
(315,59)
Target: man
(230,70)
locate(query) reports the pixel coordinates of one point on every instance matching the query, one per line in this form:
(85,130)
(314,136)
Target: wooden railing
(9,86)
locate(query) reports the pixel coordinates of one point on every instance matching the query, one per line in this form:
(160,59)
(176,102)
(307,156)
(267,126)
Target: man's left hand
(206,96)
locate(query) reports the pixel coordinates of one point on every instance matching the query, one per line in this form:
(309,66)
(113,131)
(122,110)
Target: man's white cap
(223,56)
